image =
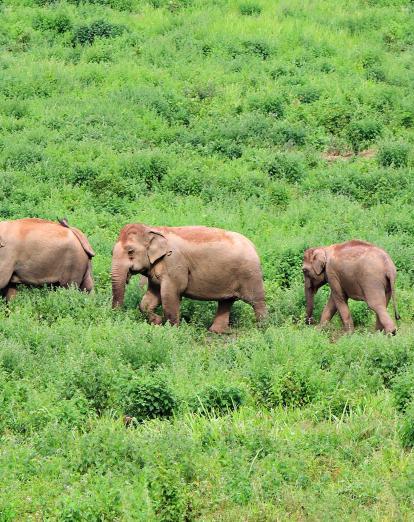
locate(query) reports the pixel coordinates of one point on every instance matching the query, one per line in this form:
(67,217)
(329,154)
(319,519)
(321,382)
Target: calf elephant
(37,252)
(202,263)
(353,270)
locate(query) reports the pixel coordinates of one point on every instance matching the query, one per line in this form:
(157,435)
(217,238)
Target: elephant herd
(207,264)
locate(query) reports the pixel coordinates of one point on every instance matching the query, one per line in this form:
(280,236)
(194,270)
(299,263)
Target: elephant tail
(80,237)
(391,278)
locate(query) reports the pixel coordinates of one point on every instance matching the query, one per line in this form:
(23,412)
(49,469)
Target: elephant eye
(131,251)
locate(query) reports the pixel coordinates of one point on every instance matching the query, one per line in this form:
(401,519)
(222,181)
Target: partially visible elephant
(202,263)
(37,252)
(353,270)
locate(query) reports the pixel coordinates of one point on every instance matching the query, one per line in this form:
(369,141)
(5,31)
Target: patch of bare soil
(334,155)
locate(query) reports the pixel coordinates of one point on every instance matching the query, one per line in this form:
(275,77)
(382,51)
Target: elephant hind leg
(5,276)
(222,318)
(384,321)
(87,281)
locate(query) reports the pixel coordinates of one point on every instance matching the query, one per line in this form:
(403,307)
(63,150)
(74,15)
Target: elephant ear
(319,261)
(158,247)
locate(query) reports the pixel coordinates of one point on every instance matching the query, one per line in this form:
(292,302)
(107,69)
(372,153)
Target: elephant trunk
(310,293)
(119,278)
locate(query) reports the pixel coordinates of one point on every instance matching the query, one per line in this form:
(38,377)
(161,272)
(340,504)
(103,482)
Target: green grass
(228,114)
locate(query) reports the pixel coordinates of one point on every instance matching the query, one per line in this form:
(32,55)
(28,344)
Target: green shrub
(86,34)
(278,194)
(218,399)
(363,132)
(286,166)
(95,379)
(259,48)
(120,5)
(291,134)
(149,398)
(388,361)
(269,104)
(151,168)
(250,9)
(23,156)
(406,430)
(308,94)
(58,23)
(169,493)
(291,389)
(403,389)
(393,154)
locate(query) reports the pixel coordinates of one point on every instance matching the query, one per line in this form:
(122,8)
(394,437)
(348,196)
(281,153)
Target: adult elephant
(353,270)
(37,252)
(202,263)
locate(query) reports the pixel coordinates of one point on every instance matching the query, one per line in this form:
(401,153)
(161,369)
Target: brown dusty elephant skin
(37,252)
(202,263)
(353,270)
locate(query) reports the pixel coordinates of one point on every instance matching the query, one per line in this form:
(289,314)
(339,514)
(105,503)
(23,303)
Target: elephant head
(314,265)
(138,248)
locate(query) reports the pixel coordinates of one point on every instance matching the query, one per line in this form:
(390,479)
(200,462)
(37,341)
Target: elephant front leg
(221,321)
(171,299)
(328,312)
(10,292)
(345,313)
(149,303)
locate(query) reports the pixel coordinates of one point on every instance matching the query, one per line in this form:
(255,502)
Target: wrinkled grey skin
(353,270)
(37,252)
(197,262)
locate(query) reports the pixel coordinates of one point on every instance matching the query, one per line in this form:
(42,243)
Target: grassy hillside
(290,122)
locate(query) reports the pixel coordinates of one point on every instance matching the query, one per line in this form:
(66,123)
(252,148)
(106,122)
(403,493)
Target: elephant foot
(156,319)
(217,329)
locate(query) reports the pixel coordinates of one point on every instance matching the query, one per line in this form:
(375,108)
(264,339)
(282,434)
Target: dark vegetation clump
(393,155)
(87,34)
(149,398)
(250,9)
(218,399)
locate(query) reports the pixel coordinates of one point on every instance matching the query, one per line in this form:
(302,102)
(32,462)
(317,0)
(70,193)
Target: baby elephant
(202,263)
(37,252)
(353,270)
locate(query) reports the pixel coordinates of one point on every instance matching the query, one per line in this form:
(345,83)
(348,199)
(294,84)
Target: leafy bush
(121,5)
(363,132)
(285,388)
(269,104)
(149,398)
(218,399)
(148,167)
(250,9)
(58,23)
(291,134)
(308,94)
(259,48)
(286,166)
(403,389)
(95,379)
(86,34)
(388,361)
(393,155)
(406,430)
(292,389)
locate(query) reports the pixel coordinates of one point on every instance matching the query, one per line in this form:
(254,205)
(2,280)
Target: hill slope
(290,122)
